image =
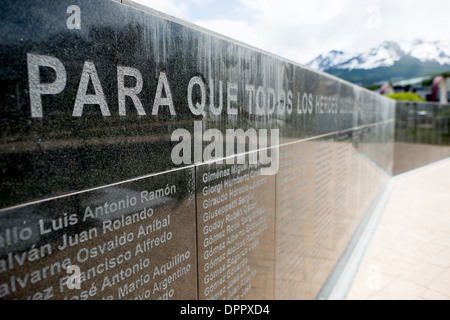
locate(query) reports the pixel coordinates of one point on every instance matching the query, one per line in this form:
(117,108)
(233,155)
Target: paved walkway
(409,255)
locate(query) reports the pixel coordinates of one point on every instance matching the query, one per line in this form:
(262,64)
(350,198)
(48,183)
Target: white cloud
(201,2)
(297,30)
(302,29)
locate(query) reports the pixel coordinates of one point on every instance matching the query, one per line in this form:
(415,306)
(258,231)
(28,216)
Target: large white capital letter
(34,61)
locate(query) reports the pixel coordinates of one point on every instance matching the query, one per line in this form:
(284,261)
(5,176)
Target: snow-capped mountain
(386,62)
(384,55)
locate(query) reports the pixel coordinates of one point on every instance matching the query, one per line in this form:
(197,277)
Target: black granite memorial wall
(151,159)
(422,134)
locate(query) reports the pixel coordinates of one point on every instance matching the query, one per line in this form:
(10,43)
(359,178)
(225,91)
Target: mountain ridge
(388,61)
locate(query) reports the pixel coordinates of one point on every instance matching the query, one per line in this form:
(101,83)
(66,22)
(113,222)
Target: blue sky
(300,30)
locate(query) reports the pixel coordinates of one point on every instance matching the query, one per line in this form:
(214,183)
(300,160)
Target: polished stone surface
(235,217)
(293,222)
(127,99)
(422,134)
(134,240)
(324,188)
(81,106)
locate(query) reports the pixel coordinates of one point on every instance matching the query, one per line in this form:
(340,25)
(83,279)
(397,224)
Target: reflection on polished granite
(112,153)
(422,134)
(324,189)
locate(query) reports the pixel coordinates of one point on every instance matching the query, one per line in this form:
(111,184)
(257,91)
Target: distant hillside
(389,61)
(406,67)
